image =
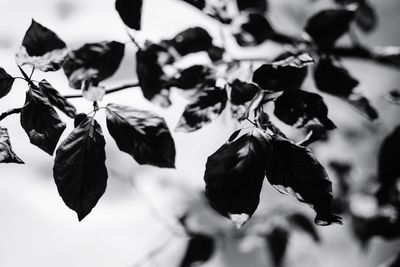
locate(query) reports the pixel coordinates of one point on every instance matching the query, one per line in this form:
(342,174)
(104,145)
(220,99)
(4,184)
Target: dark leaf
(93,62)
(234,176)
(253,29)
(207,106)
(200,4)
(316,132)
(277,241)
(42,48)
(331,77)
(199,250)
(388,55)
(303,223)
(263,121)
(79,118)
(6,82)
(300,107)
(366,17)
(293,170)
(130,12)
(234,135)
(329,25)
(79,169)
(393,97)
(243,92)
(191,40)
(7,155)
(57,99)
(255,5)
(142,134)
(279,78)
(190,78)
(362,103)
(215,53)
(150,75)
(388,165)
(40,121)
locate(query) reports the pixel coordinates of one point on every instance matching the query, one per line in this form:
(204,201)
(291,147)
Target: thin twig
(10,112)
(108,91)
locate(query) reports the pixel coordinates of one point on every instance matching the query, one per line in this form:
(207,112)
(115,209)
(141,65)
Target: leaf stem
(10,112)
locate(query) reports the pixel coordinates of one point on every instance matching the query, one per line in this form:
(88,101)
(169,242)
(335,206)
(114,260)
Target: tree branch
(109,91)
(10,112)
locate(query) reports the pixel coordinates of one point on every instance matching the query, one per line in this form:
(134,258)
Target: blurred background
(37,229)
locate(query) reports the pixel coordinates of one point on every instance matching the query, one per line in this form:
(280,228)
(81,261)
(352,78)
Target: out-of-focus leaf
(303,223)
(150,75)
(388,165)
(366,17)
(234,175)
(57,99)
(393,262)
(40,121)
(277,241)
(190,78)
(388,55)
(255,5)
(200,4)
(191,40)
(130,12)
(79,168)
(362,103)
(242,94)
(142,134)
(207,106)
(7,155)
(332,77)
(93,62)
(199,250)
(6,82)
(329,25)
(299,107)
(252,29)
(42,49)
(294,60)
(393,96)
(315,133)
(279,78)
(293,170)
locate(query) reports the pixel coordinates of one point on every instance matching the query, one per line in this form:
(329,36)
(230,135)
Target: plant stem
(10,112)
(109,91)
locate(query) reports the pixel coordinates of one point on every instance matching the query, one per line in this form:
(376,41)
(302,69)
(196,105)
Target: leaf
(190,78)
(277,241)
(40,121)
(42,48)
(7,155)
(199,250)
(79,168)
(327,26)
(234,176)
(388,165)
(199,4)
(130,12)
(191,40)
(299,107)
(316,132)
(252,29)
(366,17)
(293,170)
(94,62)
(279,78)
(208,105)
(332,77)
(57,100)
(242,96)
(150,75)
(303,223)
(362,103)
(142,134)
(258,5)
(294,60)
(6,83)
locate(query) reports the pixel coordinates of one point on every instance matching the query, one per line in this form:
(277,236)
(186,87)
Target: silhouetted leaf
(279,78)
(41,48)
(257,5)
(191,40)
(293,170)
(130,12)
(7,155)
(207,106)
(79,168)
(327,26)
(79,118)
(388,165)
(40,121)
(199,250)
(252,29)
(57,99)
(190,78)
(93,62)
(234,175)
(142,134)
(6,82)
(366,17)
(303,223)
(150,75)
(300,107)
(332,77)
(242,94)
(277,241)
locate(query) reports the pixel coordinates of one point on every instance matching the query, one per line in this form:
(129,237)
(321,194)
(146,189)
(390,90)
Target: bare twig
(109,91)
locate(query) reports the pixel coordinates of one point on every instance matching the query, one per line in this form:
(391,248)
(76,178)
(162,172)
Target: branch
(10,112)
(109,91)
